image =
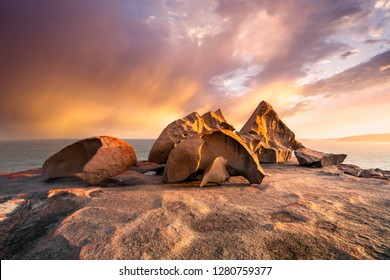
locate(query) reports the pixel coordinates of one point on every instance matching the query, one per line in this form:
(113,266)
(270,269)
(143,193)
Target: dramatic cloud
(348,53)
(128,68)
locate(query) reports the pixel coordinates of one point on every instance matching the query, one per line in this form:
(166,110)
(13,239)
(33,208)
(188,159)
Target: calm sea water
(363,154)
(21,155)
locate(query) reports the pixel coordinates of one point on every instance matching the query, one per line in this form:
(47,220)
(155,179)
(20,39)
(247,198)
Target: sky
(79,68)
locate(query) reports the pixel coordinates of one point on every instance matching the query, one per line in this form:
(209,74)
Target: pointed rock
(216,172)
(308,157)
(215,120)
(268,136)
(93,159)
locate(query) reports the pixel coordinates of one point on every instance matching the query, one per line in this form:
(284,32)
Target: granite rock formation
(356,171)
(216,172)
(177,131)
(308,157)
(93,159)
(267,135)
(296,213)
(198,152)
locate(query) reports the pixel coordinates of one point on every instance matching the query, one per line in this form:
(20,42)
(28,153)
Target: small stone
(215,172)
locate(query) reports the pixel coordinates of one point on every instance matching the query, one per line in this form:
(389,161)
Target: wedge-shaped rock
(216,172)
(308,157)
(180,129)
(198,152)
(268,136)
(93,159)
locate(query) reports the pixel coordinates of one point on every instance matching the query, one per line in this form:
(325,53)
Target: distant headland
(383,137)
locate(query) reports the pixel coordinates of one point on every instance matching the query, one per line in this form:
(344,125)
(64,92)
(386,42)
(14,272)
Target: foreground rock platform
(296,213)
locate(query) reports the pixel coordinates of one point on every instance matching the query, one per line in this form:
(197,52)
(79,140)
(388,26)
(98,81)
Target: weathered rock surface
(83,192)
(308,157)
(216,172)
(93,159)
(296,213)
(267,135)
(177,131)
(356,171)
(215,120)
(198,152)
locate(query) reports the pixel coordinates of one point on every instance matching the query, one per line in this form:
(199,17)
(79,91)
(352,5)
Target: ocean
(22,155)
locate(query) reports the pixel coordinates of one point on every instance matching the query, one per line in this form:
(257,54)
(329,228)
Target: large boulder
(216,172)
(177,131)
(93,159)
(198,152)
(267,135)
(308,157)
(184,160)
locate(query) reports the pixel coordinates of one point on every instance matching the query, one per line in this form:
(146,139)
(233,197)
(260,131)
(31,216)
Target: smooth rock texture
(295,213)
(184,160)
(93,159)
(308,157)
(177,131)
(267,135)
(216,172)
(201,150)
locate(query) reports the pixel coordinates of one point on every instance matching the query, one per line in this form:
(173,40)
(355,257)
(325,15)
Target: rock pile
(356,171)
(192,146)
(177,131)
(196,153)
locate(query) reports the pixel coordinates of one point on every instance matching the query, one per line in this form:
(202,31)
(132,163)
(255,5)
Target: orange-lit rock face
(268,136)
(93,159)
(198,152)
(180,129)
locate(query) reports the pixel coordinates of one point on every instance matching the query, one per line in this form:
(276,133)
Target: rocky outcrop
(356,171)
(198,152)
(268,137)
(177,131)
(142,219)
(93,160)
(216,172)
(308,157)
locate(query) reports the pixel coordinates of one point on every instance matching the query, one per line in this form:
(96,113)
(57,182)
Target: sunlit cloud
(129,68)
